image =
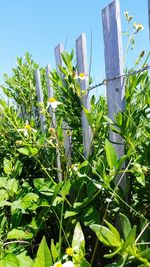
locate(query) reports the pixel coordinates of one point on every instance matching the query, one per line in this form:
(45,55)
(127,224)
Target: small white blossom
(74,167)
(68,264)
(138,27)
(82,76)
(53,103)
(128,17)
(27,128)
(108,200)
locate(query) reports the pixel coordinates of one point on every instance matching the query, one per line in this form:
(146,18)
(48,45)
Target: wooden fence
(113,52)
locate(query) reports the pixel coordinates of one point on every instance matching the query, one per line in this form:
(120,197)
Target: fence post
(82,67)
(67,139)
(149,16)
(39,96)
(53,122)
(50,94)
(113,68)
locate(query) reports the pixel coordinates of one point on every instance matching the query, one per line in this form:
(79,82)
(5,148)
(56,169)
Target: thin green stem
(44,169)
(60,229)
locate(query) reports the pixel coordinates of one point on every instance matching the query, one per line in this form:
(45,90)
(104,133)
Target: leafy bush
(86,219)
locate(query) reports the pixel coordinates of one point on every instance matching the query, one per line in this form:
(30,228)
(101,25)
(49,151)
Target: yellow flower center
(51,99)
(69,251)
(81,75)
(27,126)
(138,27)
(57,265)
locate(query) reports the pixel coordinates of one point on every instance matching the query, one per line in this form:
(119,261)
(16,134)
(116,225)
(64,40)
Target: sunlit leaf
(43,258)
(106,236)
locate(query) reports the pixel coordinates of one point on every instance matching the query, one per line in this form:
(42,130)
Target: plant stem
(60,229)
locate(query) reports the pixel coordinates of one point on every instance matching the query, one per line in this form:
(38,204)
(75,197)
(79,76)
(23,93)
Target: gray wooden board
(114,67)
(39,96)
(82,67)
(67,139)
(50,94)
(53,122)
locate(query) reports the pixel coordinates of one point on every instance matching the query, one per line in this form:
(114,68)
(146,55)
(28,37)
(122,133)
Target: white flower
(27,128)
(53,103)
(128,17)
(66,264)
(82,76)
(138,27)
(75,167)
(108,200)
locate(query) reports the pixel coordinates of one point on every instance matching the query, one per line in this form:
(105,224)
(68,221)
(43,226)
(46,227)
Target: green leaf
(43,258)
(119,119)
(3,182)
(131,237)
(30,201)
(70,213)
(25,260)
(110,154)
(115,129)
(28,151)
(56,192)
(12,186)
(78,242)
(4,203)
(88,116)
(10,260)
(111,255)
(64,58)
(54,251)
(145,253)
(141,178)
(24,150)
(62,69)
(33,151)
(108,119)
(126,226)
(106,236)
(19,234)
(43,203)
(44,186)
(7,166)
(113,229)
(18,167)
(17,205)
(65,188)
(72,54)
(120,161)
(120,263)
(84,263)
(90,215)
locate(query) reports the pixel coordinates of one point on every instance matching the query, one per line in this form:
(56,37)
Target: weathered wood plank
(39,96)
(50,94)
(82,67)
(67,139)
(53,122)
(114,67)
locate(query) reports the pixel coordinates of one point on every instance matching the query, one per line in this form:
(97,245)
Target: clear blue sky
(38,26)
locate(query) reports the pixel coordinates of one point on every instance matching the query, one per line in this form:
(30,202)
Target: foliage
(85,219)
